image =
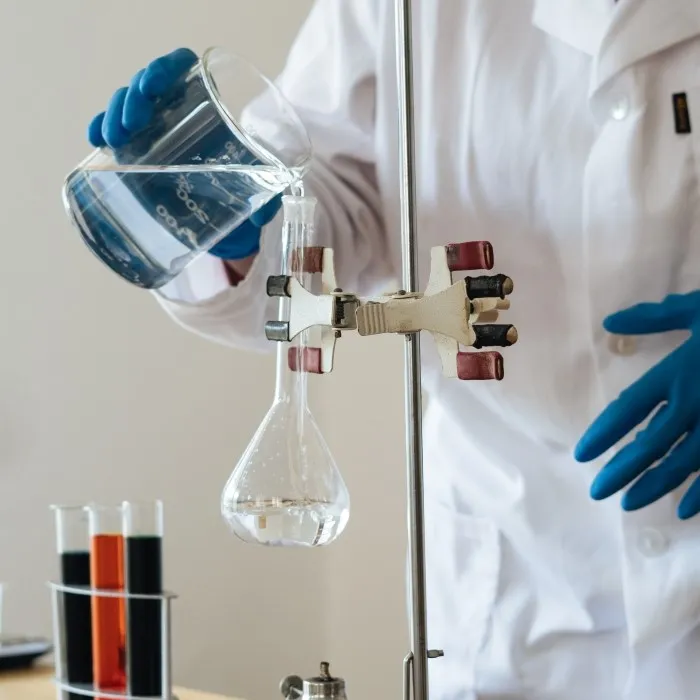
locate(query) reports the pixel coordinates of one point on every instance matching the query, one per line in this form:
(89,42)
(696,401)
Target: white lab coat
(547,128)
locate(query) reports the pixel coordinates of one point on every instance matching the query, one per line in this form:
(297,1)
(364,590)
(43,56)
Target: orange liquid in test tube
(108,614)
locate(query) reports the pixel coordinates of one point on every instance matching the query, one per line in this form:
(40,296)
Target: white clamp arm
(455,313)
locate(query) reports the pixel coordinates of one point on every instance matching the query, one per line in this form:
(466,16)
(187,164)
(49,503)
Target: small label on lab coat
(681,113)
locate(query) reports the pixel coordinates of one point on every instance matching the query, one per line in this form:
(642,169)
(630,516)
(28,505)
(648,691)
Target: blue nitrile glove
(672,386)
(133,108)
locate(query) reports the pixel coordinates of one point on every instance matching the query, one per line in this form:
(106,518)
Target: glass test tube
(143,530)
(73,548)
(108,618)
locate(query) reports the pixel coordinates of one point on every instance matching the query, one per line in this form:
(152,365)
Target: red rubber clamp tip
(474,255)
(308,260)
(473,366)
(305,360)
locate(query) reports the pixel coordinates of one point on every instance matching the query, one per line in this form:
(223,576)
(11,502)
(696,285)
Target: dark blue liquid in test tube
(143,531)
(73,545)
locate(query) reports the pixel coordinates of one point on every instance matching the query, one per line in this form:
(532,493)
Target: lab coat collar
(618,34)
(639,29)
(579,23)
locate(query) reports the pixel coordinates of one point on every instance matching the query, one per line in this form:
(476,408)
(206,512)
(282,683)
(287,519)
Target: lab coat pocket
(463,564)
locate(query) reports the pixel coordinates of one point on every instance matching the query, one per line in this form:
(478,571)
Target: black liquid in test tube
(73,544)
(143,531)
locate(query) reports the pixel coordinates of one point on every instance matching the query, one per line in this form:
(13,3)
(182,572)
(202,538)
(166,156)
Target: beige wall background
(102,397)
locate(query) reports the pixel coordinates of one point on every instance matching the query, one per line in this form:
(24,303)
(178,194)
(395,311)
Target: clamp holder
(456,313)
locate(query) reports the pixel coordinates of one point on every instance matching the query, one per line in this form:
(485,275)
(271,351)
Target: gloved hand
(667,452)
(134,108)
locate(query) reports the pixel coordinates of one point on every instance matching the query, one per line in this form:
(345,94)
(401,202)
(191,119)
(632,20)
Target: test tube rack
(66,691)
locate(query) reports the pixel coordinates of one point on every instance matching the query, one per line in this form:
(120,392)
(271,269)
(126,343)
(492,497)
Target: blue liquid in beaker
(148,224)
(191,178)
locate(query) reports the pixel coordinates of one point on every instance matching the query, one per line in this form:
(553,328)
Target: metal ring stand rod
(416,663)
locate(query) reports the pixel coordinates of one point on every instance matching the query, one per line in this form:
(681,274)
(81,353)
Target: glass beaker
(220,146)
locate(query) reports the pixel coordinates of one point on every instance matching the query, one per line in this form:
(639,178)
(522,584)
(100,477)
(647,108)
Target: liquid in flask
(286,490)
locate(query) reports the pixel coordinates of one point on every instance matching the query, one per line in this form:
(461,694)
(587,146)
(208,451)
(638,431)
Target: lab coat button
(620,108)
(652,543)
(622,344)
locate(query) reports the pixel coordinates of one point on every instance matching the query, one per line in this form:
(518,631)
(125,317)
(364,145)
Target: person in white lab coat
(566,132)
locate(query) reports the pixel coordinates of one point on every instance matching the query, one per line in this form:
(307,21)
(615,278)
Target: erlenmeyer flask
(222,143)
(286,490)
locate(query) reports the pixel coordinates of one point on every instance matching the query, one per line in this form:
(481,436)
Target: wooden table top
(38,685)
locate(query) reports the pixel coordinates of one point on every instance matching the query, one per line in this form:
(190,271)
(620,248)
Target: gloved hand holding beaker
(664,455)
(132,109)
(193,157)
